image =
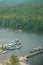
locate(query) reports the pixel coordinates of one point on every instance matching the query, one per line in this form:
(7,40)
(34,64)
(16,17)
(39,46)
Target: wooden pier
(33,54)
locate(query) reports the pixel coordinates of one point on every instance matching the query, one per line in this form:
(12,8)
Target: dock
(33,54)
(23,60)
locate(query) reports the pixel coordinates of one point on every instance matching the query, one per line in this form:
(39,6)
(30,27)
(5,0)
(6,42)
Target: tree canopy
(13,60)
(22,16)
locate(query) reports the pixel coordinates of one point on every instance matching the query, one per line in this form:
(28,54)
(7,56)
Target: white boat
(18,31)
(15,47)
(4,52)
(36,49)
(11,44)
(18,47)
(11,48)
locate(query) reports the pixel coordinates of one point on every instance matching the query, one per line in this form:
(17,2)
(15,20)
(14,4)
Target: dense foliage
(13,60)
(22,16)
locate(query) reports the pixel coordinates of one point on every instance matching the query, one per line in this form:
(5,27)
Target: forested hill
(22,16)
(12,2)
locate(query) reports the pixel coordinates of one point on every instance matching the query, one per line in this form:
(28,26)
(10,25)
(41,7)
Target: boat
(4,52)
(36,49)
(18,47)
(18,30)
(14,47)
(11,46)
(17,42)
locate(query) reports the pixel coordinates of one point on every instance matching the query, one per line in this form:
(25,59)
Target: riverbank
(22,61)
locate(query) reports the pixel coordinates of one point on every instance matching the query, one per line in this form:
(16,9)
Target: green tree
(14,60)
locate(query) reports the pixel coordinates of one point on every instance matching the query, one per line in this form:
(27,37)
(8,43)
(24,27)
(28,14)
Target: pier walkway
(33,54)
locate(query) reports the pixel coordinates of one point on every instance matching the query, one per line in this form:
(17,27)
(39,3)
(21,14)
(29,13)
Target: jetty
(23,60)
(33,54)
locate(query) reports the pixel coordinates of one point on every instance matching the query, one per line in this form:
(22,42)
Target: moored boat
(4,52)
(14,47)
(18,47)
(11,46)
(36,49)
(18,30)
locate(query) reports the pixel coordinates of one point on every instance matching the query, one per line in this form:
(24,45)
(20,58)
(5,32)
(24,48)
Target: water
(36,60)
(29,41)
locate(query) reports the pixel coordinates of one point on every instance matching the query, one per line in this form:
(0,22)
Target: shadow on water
(36,60)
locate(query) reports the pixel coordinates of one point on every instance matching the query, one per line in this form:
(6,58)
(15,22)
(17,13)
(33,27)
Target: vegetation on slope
(22,16)
(13,60)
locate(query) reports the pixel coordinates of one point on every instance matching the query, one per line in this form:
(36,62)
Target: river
(29,40)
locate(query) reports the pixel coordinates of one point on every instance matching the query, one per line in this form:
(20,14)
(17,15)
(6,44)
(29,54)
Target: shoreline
(22,61)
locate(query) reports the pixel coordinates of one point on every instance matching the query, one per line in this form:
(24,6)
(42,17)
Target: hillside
(22,16)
